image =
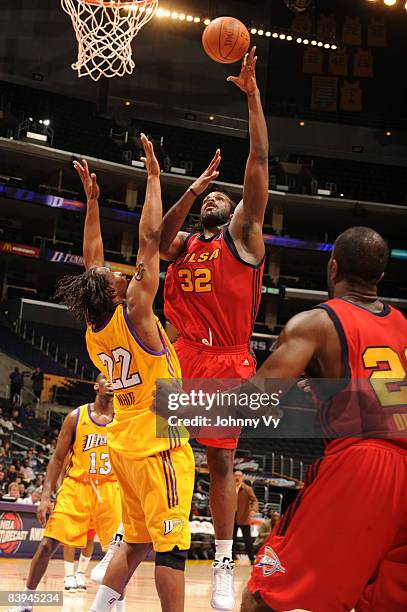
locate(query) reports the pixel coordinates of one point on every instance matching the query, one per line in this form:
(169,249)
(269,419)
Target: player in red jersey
(343,542)
(212,294)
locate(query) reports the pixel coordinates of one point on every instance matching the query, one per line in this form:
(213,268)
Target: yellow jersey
(89,460)
(133,369)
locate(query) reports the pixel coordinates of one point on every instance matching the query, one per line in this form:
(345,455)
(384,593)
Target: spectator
(51,446)
(5,422)
(41,460)
(22,489)
(38,382)
(266,528)
(37,484)
(247,505)
(13,492)
(2,480)
(12,473)
(43,442)
(32,459)
(33,499)
(28,471)
(15,418)
(27,412)
(16,383)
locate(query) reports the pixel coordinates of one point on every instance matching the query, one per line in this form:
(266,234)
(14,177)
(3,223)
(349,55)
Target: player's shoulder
(309,322)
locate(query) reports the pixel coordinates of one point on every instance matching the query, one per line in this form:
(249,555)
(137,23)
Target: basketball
(226,40)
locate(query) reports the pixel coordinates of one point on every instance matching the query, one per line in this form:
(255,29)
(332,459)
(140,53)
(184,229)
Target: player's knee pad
(175,559)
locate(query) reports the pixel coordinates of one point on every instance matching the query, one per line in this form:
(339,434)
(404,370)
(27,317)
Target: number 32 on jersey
(121,358)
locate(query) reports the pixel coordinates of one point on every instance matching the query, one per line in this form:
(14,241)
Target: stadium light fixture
(390,2)
(254,30)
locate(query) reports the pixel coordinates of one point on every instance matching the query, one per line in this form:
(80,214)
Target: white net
(105,31)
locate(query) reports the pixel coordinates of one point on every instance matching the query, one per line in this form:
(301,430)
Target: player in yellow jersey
(154,463)
(89,496)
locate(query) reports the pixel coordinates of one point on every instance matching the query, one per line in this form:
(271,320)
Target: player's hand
(89,181)
(165,390)
(150,160)
(246,81)
(43,510)
(304,384)
(210,174)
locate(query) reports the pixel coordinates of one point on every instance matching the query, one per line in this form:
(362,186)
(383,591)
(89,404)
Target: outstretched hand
(89,181)
(150,160)
(246,81)
(209,175)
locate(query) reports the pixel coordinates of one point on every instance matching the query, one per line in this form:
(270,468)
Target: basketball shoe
(70,585)
(98,572)
(80,581)
(223,590)
(19,609)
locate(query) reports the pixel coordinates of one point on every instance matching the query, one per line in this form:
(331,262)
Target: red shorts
(342,544)
(91,535)
(202,361)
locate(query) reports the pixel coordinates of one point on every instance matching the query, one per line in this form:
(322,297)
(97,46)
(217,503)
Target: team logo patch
(246,362)
(176,525)
(270,563)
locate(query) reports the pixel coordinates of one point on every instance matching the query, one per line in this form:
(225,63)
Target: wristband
(193,192)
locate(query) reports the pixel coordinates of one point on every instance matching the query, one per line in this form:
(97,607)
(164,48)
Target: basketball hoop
(105,31)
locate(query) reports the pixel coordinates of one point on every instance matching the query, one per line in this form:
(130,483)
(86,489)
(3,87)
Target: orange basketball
(226,40)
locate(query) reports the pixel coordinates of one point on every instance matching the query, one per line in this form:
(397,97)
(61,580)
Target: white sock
(121,605)
(27,590)
(223,549)
(83,564)
(105,599)
(69,568)
(120,529)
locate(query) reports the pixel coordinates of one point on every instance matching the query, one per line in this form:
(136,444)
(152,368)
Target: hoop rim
(115,4)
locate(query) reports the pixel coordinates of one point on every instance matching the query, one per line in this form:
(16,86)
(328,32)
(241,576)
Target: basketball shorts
(156,495)
(79,509)
(201,361)
(342,544)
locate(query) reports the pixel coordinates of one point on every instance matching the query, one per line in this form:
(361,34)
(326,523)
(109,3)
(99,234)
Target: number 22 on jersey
(121,358)
(389,382)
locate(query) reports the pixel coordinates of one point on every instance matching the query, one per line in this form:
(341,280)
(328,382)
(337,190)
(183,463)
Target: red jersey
(374,350)
(211,294)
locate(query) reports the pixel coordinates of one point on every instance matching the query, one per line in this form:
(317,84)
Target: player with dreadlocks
(154,465)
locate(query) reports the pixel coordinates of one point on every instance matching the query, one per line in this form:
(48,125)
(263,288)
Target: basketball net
(105,31)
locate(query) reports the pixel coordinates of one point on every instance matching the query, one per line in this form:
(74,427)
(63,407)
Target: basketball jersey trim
(94,422)
(96,330)
(386,308)
(232,248)
(137,339)
(342,337)
(78,411)
(202,238)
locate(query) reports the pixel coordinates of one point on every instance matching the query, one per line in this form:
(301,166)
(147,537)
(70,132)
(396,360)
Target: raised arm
(93,253)
(172,239)
(64,444)
(247,221)
(144,284)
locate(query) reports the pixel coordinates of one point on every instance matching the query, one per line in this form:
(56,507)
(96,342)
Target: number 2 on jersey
(393,375)
(120,356)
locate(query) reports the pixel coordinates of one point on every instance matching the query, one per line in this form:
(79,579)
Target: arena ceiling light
(255,30)
(390,2)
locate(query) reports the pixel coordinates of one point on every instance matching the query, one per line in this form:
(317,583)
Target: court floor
(141,594)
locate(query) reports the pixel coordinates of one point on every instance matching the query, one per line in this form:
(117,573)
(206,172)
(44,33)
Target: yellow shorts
(78,509)
(156,495)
